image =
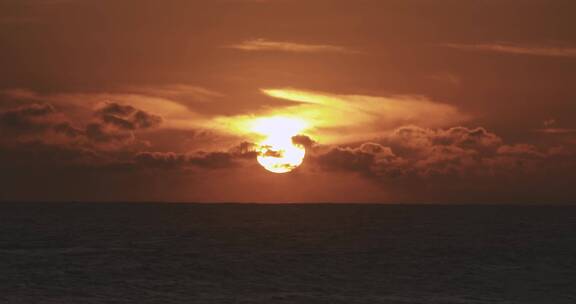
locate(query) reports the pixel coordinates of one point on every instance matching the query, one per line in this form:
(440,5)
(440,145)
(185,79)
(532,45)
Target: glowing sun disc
(277,153)
(280,159)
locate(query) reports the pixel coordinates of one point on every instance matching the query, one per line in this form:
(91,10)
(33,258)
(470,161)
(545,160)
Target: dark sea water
(190,253)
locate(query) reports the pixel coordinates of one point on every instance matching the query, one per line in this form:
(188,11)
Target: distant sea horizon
(264,203)
(79,252)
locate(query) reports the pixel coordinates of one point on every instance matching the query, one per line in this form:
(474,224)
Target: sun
(280,158)
(276,152)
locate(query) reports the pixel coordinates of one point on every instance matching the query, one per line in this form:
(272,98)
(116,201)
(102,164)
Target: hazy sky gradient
(409,101)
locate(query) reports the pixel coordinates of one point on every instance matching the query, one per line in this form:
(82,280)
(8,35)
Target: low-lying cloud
(459,152)
(113,126)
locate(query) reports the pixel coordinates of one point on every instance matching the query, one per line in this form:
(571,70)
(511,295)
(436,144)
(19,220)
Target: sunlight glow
(277,153)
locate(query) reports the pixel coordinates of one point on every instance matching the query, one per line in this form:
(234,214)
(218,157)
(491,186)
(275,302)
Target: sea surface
(84,253)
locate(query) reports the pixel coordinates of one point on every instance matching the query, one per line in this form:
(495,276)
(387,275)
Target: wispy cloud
(176,114)
(178,92)
(516,49)
(285,46)
(349,118)
(556,131)
(550,127)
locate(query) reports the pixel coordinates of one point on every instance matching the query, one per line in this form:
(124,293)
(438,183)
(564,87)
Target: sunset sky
(393,101)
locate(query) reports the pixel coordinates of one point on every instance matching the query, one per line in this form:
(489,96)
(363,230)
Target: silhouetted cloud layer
(206,160)
(127,117)
(113,126)
(406,152)
(459,152)
(28,118)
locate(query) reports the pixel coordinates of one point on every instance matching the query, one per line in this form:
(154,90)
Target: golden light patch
(329,118)
(341,118)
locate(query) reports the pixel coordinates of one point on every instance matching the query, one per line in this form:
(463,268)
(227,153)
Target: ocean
(318,253)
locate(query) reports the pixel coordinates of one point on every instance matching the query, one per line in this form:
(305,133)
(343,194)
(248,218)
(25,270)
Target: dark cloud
(303,140)
(207,160)
(126,117)
(408,153)
(113,123)
(162,160)
(415,139)
(268,152)
(67,129)
(169,160)
(145,120)
(27,111)
(27,118)
(37,122)
(213,160)
(411,164)
(37,154)
(114,126)
(360,159)
(112,108)
(99,133)
(412,152)
(244,149)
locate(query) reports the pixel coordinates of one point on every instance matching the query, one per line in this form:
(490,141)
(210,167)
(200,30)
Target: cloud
(569,52)
(420,153)
(174,114)
(112,120)
(127,117)
(346,118)
(556,130)
(30,117)
(407,163)
(366,116)
(99,134)
(413,139)
(113,126)
(205,160)
(35,154)
(31,120)
(41,138)
(303,140)
(262,45)
(164,160)
(551,127)
(525,151)
(359,159)
(178,92)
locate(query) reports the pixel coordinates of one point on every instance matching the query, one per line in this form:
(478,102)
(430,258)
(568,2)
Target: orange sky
(409,101)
